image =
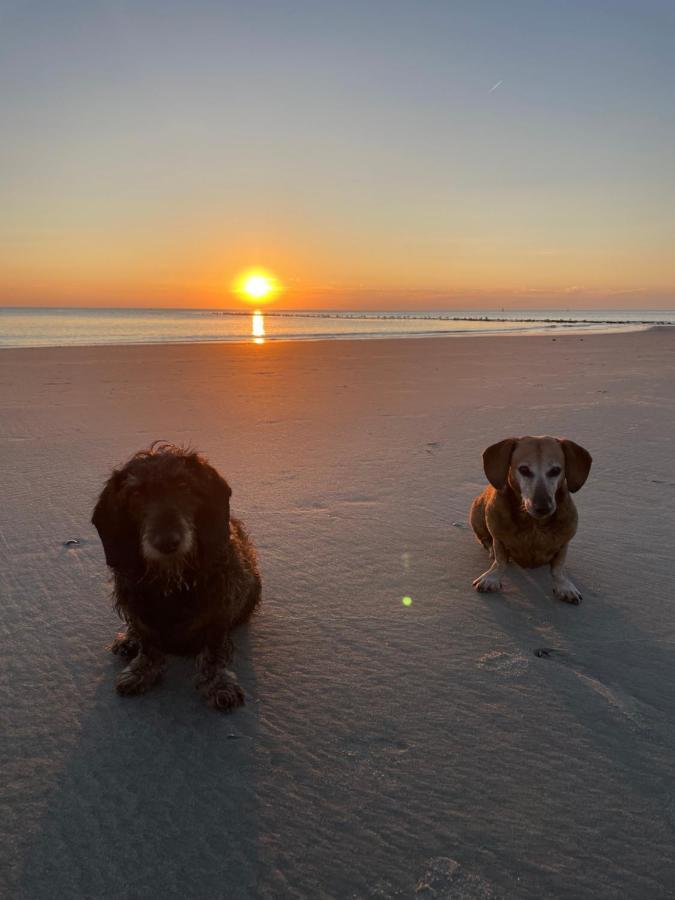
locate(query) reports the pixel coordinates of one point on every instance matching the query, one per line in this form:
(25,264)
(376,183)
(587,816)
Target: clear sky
(370,154)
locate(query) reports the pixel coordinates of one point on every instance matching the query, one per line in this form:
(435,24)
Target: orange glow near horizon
(257,286)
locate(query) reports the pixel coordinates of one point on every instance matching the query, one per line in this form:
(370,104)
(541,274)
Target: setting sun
(257,285)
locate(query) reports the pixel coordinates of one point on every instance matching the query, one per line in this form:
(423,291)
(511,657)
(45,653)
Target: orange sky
(457,155)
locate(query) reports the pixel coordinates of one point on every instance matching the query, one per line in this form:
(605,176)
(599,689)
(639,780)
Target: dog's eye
(554,472)
(526,471)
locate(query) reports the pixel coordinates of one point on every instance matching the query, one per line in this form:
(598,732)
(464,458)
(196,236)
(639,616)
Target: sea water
(53,327)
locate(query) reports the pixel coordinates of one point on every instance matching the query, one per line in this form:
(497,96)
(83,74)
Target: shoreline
(92,327)
(570,331)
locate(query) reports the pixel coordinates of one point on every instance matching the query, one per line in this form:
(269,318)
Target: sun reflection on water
(258,327)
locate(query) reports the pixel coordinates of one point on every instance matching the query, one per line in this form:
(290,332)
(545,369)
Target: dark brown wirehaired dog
(526,513)
(185,573)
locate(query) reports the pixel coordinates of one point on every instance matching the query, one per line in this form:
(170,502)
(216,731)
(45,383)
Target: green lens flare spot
(407,601)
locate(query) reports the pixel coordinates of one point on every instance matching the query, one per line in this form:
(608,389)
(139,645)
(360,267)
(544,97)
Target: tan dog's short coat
(526,513)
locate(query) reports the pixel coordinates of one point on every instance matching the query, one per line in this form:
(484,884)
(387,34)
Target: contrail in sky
(495,86)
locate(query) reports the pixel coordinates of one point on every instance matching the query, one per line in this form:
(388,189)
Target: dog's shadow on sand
(157,798)
(605,666)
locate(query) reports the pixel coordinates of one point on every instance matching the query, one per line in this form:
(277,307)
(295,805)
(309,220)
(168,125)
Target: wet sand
(385,750)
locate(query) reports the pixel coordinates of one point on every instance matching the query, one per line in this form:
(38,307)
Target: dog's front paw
(130,682)
(203,676)
(224,694)
(137,679)
(488,582)
(124,645)
(565,590)
(208,669)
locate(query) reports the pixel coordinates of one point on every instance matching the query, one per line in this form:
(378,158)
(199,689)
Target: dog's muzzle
(167,544)
(541,504)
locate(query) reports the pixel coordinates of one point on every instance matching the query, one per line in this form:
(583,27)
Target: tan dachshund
(526,513)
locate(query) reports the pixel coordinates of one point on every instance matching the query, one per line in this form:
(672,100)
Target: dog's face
(536,472)
(537,469)
(162,510)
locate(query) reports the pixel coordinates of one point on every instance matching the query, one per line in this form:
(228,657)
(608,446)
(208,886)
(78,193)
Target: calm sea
(81,327)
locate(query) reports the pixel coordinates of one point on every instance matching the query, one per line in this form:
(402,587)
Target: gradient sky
(371,154)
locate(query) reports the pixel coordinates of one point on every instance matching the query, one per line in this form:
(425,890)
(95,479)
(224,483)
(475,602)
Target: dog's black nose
(542,510)
(168,543)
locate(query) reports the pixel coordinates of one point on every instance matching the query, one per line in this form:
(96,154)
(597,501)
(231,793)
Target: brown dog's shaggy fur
(185,573)
(526,513)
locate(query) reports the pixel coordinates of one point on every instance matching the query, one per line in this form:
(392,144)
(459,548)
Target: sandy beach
(384,750)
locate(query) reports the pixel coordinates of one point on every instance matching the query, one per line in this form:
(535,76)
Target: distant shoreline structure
(441,317)
(516,315)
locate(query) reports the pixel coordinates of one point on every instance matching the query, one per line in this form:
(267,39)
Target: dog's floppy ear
(118,533)
(213,518)
(577,464)
(496,462)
